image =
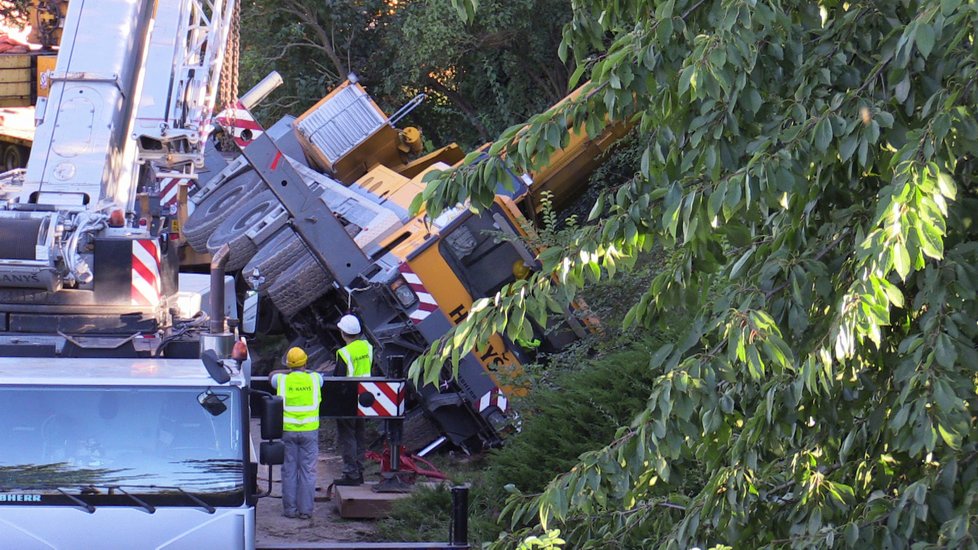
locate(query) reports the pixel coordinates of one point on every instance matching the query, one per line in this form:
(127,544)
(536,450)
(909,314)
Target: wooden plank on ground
(361,501)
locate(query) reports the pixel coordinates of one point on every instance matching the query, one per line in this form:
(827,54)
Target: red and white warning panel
(493,398)
(426,302)
(242,125)
(170,191)
(380,399)
(146,272)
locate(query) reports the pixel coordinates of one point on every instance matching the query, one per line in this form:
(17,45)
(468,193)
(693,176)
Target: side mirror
(215,368)
(249,314)
(271,453)
(272,425)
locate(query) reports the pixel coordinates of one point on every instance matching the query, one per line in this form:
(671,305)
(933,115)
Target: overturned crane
(317,215)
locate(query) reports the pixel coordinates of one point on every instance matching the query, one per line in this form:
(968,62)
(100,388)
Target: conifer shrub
(576,411)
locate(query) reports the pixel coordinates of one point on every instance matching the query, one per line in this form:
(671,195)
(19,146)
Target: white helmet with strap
(349,325)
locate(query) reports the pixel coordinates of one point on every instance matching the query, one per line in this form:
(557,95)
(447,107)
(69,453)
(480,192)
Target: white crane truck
(125,409)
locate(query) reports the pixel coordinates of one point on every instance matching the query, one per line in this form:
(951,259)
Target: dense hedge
(575,412)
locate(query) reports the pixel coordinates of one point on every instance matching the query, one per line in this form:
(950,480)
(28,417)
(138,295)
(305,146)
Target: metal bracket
(88,77)
(268,226)
(96,342)
(233,169)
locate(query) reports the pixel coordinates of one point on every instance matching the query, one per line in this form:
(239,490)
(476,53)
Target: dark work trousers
(299,472)
(350,441)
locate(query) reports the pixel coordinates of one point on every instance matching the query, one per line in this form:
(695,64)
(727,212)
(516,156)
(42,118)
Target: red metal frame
(409,463)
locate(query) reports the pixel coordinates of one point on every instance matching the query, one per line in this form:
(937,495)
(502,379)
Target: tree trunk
(463,106)
(310,20)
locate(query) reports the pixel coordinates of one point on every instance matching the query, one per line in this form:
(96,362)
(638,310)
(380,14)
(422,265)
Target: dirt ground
(326,524)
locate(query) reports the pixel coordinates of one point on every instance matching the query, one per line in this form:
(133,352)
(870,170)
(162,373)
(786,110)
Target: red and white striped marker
(388,399)
(237,120)
(491,398)
(170,190)
(426,302)
(146,272)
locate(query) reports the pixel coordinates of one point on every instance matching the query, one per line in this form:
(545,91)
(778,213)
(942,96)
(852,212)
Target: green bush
(580,398)
(581,409)
(424,516)
(584,408)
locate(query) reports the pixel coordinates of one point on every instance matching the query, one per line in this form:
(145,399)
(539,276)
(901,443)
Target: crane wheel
(316,354)
(218,207)
(300,286)
(275,256)
(233,230)
(14,156)
(419,430)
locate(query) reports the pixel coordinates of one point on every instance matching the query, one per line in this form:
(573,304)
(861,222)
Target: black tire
(14,156)
(218,207)
(299,286)
(316,353)
(232,231)
(275,257)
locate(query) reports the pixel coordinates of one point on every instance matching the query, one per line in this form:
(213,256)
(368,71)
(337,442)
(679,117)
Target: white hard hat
(349,325)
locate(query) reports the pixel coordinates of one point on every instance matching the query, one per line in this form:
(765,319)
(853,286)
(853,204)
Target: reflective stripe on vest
(359,355)
(300,391)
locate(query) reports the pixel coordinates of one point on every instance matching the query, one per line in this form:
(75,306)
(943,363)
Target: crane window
(157,443)
(479,256)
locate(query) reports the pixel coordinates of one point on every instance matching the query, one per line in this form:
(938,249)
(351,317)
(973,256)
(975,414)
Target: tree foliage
(314,45)
(570,412)
(809,174)
(14,13)
(479,77)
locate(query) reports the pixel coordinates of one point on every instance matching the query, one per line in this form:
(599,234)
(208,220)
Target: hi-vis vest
(300,391)
(358,356)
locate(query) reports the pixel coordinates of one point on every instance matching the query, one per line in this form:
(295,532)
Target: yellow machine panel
(504,369)
(45,68)
(453,299)
(16,79)
(388,185)
(345,134)
(47,21)
(24,78)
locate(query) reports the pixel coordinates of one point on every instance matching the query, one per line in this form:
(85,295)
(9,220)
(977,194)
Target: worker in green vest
(302,392)
(354,359)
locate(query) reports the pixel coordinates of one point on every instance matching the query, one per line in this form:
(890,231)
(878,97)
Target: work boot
(346,481)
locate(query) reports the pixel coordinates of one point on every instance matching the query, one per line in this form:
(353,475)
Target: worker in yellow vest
(302,392)
(354,359)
